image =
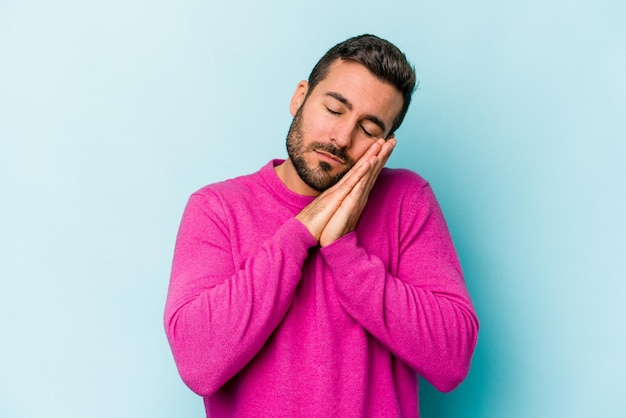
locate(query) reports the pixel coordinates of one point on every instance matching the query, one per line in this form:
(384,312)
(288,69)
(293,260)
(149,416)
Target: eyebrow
(372,118)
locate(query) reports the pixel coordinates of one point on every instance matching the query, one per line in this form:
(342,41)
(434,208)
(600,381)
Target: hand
(337,210)
(346,217)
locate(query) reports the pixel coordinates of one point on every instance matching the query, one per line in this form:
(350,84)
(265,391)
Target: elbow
(195,367)
(450,379)
(199,373)
(449,373)
(453,365)
(200,382)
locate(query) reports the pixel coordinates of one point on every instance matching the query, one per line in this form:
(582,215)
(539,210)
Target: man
(323,284)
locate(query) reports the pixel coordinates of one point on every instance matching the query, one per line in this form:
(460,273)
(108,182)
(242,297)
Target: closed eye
(366,132)
(332,112)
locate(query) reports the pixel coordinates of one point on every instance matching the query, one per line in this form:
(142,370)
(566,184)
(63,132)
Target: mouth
(327,156)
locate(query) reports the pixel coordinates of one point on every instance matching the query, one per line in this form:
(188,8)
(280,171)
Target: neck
(289,176)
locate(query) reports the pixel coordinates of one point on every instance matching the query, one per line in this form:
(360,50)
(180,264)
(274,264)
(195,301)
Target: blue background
(113,112)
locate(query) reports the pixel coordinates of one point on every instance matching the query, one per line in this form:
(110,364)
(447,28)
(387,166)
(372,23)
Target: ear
(298,97)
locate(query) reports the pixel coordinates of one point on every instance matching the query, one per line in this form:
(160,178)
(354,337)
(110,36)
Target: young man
(323,284)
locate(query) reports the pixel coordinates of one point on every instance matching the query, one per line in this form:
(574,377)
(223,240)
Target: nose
(341,134)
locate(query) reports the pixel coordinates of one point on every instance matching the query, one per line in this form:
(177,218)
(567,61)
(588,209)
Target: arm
(423,314)
(218,315)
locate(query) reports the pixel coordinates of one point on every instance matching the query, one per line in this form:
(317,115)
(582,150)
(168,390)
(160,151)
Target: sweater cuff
(297,230)
(344,257)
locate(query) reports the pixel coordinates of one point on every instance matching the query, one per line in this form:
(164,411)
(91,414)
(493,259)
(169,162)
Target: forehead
(362,89)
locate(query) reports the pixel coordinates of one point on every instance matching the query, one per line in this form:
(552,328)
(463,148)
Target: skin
(350,110)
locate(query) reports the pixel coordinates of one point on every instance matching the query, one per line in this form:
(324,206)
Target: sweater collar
(278,188)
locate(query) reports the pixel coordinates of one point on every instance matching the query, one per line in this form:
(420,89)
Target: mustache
(331,149)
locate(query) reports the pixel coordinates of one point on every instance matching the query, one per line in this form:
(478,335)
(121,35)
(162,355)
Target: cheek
(316,128)
(360,148)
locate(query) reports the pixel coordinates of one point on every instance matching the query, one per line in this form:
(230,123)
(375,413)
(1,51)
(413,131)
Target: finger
(372,151)
(353,204)
(381,160)
(367,161)
(340,190)
(370,157)
(386,151)
(361,168)
(388,146)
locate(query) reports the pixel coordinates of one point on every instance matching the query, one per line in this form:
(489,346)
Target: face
(336,122)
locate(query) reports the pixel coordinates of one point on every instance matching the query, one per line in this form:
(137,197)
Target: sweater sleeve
(219,315)
(422,314)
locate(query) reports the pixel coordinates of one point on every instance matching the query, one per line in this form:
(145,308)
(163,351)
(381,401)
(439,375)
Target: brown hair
(380,57)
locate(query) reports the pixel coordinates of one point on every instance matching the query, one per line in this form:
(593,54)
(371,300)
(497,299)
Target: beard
(321,177)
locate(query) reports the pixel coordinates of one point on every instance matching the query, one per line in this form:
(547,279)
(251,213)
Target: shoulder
(399,180)
(231,186)
(213,199)
(237,187)
(402,190)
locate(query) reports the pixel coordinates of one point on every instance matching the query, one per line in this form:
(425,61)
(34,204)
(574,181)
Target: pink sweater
(262,322)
